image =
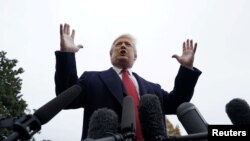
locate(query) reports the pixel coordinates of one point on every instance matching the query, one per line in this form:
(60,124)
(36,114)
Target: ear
(135,56)
(110,52)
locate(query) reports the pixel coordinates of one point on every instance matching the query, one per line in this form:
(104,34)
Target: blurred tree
(172,131)
(11,102)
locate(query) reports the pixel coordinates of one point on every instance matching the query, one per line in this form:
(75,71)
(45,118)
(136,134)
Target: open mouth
(123,52)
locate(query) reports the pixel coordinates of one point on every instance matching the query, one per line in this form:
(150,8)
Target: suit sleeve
(183,90)
(66,72)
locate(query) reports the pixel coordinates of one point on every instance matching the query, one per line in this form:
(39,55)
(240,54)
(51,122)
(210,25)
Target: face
(123,53)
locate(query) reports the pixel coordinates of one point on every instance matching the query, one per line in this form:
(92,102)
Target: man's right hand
(66,40)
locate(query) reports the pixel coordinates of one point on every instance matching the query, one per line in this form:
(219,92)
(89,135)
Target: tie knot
(125,71)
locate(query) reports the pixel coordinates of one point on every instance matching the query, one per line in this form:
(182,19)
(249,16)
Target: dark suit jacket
(105,89)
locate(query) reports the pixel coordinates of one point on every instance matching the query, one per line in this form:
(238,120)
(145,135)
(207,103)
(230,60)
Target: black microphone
(191,119)
(151,118)
(50,109)
(27,125)
(128,124)
(238,111)
(103,122)
(103,126)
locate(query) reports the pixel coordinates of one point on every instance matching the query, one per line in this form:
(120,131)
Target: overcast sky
(30,33)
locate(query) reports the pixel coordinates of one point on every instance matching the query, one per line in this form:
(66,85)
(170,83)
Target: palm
(67,39)
(187,57)
(67,43)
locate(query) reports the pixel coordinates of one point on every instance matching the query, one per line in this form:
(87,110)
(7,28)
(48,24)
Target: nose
(123,44)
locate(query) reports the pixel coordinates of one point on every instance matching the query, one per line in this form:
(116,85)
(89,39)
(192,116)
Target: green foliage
(11,102)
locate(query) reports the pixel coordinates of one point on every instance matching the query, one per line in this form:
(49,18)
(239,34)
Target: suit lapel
(113,82)
(141,84)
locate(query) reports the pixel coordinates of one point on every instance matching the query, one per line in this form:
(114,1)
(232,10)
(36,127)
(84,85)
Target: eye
(128,44)
(118,44)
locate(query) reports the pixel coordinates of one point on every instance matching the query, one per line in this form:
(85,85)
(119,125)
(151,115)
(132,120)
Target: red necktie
(131,90)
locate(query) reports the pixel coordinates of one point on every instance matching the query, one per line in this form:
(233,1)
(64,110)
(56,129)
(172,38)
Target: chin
(122,63)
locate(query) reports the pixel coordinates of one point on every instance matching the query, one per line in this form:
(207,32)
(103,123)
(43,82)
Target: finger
(68,29)
(191,44)
(188,45)
(65,28)
(183,46)
(61,29)
(176,57)
(80,46)
(195,46)
(73,34)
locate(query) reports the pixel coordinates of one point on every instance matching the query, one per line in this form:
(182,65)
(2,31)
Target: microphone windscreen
(128,123)
(191,118)
(238,111)
(151,118)
(103,122)
(50,109)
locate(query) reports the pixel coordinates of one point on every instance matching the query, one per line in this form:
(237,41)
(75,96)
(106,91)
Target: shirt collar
(118,70)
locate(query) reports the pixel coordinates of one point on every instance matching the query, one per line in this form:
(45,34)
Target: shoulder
(97,73)
(145,82)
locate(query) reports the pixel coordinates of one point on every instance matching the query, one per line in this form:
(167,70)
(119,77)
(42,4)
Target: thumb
(176,57)
(79,46)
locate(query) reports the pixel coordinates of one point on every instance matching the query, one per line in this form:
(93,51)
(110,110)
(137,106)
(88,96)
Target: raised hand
(67,40)
(187,57)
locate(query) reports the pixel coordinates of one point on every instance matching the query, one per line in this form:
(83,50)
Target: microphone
(103,125)
(27,125)
(103,122)
(191,119)
(238,111)
(128,124)
(50,109)
(151,118)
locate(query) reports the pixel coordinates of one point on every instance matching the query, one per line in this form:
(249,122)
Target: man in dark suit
(105,88)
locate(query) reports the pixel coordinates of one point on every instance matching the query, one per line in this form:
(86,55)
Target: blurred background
(30,33)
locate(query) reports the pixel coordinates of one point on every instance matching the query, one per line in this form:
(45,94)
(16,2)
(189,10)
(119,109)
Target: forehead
(123,39)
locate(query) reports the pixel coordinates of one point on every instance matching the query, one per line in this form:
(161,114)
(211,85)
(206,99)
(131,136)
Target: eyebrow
(126,42)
